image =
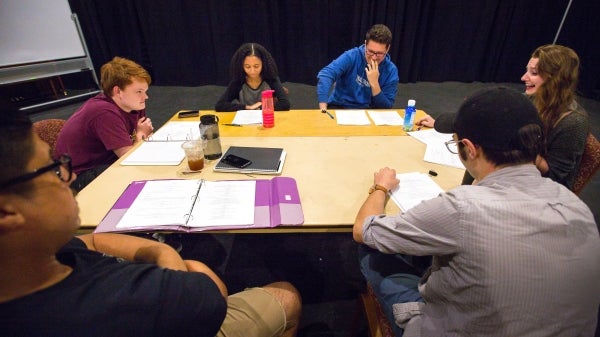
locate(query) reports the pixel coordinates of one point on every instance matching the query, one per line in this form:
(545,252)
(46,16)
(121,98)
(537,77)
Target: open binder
(176,131)
(155,154)
(276,202)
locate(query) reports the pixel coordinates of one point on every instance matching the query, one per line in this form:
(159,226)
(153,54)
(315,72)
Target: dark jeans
(86,177)
(393,277)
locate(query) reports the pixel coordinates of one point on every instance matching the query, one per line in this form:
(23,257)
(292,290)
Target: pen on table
(231,124)
(327,112)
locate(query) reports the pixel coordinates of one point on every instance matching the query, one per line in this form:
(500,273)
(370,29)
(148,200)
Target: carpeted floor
(322,266)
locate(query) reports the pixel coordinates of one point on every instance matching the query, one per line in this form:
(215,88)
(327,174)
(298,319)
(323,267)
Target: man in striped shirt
(516,254)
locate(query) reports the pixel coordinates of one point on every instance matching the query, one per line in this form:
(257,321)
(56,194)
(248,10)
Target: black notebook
(265,160)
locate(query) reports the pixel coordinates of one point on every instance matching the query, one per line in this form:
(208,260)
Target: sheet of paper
(161,202)
(245,117)
(430,136)
(439,154)
(352,117)
(156,153)
(177,131)
(385,117)
(436,151)
(224,203)
(414,187)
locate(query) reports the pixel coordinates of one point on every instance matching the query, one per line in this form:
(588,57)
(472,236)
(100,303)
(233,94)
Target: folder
(265,160)
(163,147)
(155,154)
(176,131)
(276,202)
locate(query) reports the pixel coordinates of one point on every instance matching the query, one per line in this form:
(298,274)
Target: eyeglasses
(452,145)
(63,162)
(374,53)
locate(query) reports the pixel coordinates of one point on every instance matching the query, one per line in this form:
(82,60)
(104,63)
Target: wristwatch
(376,187)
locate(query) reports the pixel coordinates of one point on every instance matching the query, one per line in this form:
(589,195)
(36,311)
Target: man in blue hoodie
(363,77)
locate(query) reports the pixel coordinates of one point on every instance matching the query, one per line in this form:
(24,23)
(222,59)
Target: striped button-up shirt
(515,255)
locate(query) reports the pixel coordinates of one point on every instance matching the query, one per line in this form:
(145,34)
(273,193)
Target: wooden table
(333,173)
(300,123)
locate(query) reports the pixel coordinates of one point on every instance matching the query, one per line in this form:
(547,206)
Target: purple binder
(277,202)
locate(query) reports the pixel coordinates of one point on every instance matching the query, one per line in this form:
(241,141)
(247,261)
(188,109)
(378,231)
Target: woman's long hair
(559,67)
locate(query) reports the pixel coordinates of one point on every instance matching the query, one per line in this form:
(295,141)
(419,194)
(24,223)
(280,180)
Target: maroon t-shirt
(92,133)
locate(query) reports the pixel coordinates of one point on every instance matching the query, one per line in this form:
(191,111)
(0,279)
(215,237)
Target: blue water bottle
(409,115)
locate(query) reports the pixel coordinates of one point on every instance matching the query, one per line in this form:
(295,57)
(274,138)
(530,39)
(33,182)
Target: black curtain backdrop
(190,42)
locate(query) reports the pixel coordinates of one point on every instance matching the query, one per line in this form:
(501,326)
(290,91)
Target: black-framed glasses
(452,145)
(63,161)
(374,53)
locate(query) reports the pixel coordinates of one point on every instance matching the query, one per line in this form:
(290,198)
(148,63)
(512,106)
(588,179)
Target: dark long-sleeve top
(565,145)
(229,101)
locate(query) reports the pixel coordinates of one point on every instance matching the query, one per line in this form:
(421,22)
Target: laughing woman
(551,80)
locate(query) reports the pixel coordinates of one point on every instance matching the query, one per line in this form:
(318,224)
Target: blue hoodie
(352,89)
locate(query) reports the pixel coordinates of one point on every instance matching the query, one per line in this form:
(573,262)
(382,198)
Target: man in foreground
(515,255)
(54,284)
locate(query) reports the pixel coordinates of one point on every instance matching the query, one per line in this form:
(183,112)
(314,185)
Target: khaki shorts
(253,312)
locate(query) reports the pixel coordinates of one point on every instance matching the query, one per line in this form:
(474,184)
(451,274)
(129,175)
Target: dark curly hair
(236,68)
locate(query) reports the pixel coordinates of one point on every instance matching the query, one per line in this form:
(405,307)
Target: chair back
(48,130)
(379,325)
(590,163)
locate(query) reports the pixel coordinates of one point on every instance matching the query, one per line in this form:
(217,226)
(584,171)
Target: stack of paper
(385,117)
(246,117)
(414,187)
(436,151)
(223,203)
(156,153)
(176,131)
(352,117)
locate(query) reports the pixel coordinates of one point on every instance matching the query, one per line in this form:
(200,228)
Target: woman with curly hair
(551,80)
(252,70)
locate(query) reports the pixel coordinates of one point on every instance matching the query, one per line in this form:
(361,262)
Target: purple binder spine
(130,194)
(274,203)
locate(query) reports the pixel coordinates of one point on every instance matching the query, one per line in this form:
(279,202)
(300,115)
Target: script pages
(163,147)
(176,131)
(414,187)
(436,151)
(192,203)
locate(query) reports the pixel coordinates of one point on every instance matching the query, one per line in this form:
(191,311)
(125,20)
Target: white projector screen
(35,31)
